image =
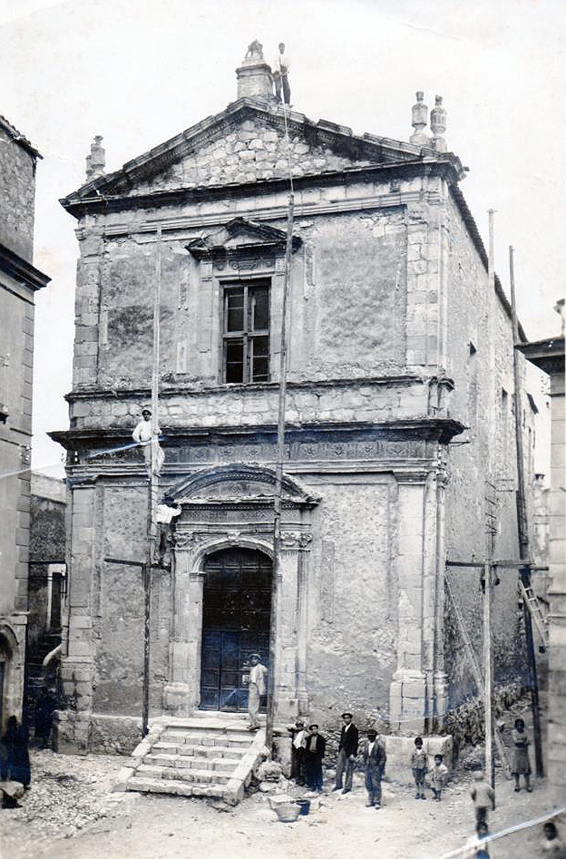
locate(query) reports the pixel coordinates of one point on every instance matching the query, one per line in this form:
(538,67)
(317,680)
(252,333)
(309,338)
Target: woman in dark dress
(15,760)
(520,765)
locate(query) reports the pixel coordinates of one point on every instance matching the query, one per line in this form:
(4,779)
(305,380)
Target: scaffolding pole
(152,487)
(277,501)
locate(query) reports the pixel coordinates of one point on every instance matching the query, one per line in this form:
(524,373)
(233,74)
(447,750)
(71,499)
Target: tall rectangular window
(246,332)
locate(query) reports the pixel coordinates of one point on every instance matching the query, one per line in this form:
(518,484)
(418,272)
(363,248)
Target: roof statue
(254,52)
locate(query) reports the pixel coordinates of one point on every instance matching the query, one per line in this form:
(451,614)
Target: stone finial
(254,75)
(438,125)
(420,119)
(96,161)
(254,52)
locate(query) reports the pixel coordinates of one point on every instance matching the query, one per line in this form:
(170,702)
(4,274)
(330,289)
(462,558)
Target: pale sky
(141,71)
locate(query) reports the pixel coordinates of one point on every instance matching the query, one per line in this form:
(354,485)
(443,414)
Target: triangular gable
(246,143)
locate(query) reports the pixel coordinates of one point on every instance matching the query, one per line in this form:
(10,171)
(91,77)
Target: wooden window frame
(247,335)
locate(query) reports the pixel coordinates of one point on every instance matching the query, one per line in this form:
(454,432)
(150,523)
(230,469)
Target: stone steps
(208,777)
(185,762)
(197,750)
(205,756)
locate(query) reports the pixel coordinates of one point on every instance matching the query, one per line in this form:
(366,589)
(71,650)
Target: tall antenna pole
(522,526)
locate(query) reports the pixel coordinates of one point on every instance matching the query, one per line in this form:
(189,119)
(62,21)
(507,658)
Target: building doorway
(236,618)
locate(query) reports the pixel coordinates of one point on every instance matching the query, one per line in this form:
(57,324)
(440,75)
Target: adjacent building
(47,578)
(548,355)
(399,443)
(19,281)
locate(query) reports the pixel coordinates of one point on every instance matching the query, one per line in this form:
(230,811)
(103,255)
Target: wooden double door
(236,618)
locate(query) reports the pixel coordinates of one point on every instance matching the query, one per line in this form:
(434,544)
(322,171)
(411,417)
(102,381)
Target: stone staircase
(209,755)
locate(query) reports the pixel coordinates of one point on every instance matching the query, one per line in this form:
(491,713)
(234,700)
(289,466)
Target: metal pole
(522,527)
(277,500)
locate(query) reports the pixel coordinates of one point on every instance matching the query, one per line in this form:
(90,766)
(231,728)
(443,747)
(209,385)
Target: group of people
(308,748)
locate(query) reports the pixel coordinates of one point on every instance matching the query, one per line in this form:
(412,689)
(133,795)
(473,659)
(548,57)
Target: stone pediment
(240,235)
(238,483)
(247,143)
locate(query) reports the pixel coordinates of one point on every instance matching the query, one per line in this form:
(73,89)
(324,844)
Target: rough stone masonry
(388,366)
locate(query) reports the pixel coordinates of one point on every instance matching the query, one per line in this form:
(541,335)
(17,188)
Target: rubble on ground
(68,793)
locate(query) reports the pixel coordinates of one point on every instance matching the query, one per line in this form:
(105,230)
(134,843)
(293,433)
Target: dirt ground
(71,813)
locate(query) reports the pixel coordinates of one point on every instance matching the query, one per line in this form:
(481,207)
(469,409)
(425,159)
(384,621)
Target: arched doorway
(235,623)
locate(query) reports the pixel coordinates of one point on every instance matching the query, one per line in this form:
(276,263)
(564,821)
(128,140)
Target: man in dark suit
(347,751)
(374,762)
(314,753)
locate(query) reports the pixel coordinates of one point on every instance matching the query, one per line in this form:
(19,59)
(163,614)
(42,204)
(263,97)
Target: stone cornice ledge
(442,429)
(190,388)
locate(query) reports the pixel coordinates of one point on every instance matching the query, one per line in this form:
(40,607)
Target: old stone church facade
(392,329)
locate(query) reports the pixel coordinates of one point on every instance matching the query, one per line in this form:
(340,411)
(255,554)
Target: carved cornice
(296,540)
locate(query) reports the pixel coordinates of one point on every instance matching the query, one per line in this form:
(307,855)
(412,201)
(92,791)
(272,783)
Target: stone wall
(249,151)
(468,350)
(253,405)
(118,627)
(352,648)
(17,194)
(347,306)
(16,375)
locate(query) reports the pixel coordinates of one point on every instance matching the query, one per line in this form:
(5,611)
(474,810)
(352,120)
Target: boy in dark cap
(347,751)
(374,762)
(314,753)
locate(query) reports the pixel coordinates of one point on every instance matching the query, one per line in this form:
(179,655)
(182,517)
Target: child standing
(438,776)
(520,765)
(419,765)
(483,796)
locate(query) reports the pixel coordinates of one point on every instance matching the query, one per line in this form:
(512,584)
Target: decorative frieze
(266,451)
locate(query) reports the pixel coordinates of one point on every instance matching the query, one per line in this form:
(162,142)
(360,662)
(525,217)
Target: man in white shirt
(143,435)
(280,70)
(166,512)
(299,736)
(256,688)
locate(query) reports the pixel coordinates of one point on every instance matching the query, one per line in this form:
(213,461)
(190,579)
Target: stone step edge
(178,788)
(154,761)
(167,749)
(188,775)
(202,723)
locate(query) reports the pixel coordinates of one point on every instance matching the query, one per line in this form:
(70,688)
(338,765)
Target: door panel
(236,615)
